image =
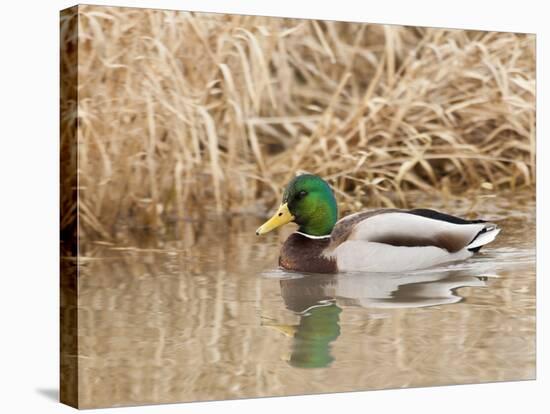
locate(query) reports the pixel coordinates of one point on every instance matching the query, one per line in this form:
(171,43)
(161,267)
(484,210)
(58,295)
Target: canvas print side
(68,206)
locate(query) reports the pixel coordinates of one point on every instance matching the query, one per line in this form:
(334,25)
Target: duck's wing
(433,236)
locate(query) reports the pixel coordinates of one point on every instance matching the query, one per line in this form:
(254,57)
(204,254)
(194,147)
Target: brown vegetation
(181,113)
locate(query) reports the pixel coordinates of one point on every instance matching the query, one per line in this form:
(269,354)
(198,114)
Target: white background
(29,207)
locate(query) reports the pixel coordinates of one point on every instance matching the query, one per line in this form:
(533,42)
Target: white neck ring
(309,236)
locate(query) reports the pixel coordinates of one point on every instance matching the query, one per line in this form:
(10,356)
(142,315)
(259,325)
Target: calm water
(209,316)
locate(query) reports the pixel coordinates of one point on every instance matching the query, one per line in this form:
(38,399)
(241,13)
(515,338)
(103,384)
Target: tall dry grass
(181,113)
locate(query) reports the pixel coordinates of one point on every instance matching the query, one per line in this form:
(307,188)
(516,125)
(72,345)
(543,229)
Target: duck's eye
(302,194)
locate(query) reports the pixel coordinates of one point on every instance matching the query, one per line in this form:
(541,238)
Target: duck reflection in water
(316,299)
(319,320)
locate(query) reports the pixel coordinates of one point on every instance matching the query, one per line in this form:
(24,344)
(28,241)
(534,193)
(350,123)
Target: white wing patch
(360,255)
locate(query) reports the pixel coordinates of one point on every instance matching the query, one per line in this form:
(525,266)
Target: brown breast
(302,254)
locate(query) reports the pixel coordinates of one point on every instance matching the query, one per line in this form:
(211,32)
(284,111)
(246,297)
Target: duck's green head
(309,202)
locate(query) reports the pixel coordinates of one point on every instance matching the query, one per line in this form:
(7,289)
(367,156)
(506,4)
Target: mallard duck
(386,240)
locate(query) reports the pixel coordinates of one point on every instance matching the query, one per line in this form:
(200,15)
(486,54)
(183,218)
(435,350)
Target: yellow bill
(281,217)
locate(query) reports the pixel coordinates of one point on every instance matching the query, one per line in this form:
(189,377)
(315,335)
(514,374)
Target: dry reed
(181,113)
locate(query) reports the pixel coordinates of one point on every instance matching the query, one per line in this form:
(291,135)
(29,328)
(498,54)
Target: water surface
(207,315)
